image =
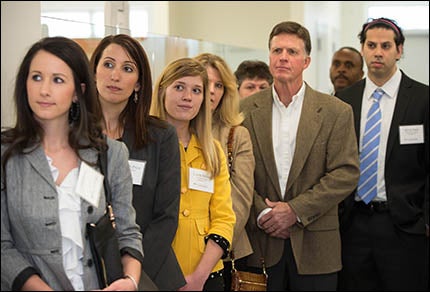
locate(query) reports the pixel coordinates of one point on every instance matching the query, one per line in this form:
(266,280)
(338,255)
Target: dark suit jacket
(157,204)
(406,166)
(324,171)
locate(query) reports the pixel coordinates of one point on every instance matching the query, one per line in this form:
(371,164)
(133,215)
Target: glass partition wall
(160,49)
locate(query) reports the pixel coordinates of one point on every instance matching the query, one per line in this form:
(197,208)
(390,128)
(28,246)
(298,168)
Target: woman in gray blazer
(50,182)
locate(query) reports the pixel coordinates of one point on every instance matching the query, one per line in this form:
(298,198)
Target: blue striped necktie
(367,184)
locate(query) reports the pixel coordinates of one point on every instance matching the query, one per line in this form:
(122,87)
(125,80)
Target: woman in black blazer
(124,85)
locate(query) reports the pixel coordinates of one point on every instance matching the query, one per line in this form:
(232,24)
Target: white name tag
(89,185)
(200,180)
(137,168)
(413,134)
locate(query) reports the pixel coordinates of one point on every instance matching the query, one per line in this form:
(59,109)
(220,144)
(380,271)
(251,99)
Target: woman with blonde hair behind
(206,216)
(226,128)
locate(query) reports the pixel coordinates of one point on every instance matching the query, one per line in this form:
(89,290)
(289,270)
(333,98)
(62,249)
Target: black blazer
(406,166)
(157,203)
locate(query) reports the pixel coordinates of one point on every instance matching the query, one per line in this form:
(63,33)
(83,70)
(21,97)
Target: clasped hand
(277,221)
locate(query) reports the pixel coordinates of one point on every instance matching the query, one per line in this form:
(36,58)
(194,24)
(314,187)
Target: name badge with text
(89,185)
(137,168)
(413,134)
(200,180)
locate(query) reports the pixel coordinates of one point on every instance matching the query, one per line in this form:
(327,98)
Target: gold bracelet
(133,280)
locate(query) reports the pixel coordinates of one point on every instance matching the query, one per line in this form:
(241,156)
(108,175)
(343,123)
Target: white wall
(20,28)
(415,59)
(248,24)
(238,23)
(244,24)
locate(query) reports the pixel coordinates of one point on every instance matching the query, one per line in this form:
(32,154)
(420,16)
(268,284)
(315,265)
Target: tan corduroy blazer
(242,183)
(324,170)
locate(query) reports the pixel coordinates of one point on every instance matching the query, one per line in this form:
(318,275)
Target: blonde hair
(227,111)
(201,124)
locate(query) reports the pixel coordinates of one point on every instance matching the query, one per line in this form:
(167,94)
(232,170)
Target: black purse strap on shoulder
(108,193)
(103,169)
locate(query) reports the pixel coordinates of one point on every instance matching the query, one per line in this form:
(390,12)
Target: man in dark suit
(384,241)
(306,163)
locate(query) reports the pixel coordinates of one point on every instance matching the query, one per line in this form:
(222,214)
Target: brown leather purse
(247,281)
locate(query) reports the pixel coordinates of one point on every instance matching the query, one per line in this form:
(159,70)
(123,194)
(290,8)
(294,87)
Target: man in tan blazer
(306,163)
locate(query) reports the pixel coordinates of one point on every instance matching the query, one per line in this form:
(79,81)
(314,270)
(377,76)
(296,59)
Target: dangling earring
(136,97)
(74,112)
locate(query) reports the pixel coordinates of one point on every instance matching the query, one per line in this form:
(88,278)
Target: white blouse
(70,222)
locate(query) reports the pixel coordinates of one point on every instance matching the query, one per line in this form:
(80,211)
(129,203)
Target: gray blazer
(324,170)
(30,227)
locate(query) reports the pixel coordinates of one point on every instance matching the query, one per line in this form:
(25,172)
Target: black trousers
(378,256)
(215,282)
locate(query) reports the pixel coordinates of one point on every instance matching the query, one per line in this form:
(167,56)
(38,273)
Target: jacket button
(90,209)
(186,212)
(90,263)
(183,190)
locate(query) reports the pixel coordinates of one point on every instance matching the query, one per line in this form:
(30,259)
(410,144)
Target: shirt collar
(390,87)
(299,96)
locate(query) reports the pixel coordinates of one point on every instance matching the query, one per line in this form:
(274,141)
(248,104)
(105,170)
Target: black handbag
(103,239)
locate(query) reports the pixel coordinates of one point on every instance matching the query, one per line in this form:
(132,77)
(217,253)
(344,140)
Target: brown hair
(291,27)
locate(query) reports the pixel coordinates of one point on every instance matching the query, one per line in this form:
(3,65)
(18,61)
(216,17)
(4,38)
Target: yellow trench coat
(202,213)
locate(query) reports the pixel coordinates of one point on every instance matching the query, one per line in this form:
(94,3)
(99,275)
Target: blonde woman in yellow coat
(206,216)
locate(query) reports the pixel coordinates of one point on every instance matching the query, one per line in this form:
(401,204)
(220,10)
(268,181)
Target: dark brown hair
(134,115)
(85,132)
(253,69)
(386,23)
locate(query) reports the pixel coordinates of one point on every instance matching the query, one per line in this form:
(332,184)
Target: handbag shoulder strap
(263,264)
(230,148)
(103,169)
(108,193)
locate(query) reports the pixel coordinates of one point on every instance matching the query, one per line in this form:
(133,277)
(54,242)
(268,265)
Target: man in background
(346,68)
(252,76)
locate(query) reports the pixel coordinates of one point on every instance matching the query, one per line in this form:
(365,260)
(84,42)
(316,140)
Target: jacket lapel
(402,104)
(39,162)
(309,126)
(262,124)
(193,153)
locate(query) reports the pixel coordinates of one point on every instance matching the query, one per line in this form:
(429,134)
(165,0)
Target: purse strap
(263,264)
(108,193)
(103,169)
(230,148)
